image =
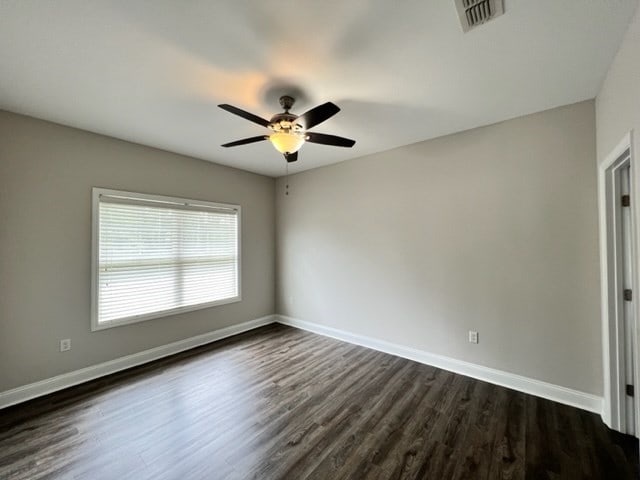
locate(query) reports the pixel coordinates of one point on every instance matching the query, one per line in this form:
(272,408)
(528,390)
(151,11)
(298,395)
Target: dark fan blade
(291,157)
(317,115)
(249,116)
(244,141)
(329,140)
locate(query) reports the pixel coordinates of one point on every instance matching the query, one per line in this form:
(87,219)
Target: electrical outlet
(65,345)
(473,336)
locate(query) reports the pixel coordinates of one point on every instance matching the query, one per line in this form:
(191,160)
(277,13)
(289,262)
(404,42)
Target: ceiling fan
(289,131)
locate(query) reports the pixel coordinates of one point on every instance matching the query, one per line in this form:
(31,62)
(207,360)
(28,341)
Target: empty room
(319,240)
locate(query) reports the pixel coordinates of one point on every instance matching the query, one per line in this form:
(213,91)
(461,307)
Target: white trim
(613,408)
(567,396)
(95,326)
(120,196)
(65,380)
(556,393)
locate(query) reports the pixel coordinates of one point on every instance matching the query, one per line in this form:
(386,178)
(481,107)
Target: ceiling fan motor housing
(285,121)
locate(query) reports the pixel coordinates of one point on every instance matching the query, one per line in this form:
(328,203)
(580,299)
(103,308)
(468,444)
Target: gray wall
(617,113)
(46,175)
(493,229)
(618,103)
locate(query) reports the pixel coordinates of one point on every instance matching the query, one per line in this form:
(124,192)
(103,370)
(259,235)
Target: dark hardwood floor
(280,403)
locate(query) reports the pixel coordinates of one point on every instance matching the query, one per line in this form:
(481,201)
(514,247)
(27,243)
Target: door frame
(614,407)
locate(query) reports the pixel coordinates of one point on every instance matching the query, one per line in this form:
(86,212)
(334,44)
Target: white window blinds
(162,255)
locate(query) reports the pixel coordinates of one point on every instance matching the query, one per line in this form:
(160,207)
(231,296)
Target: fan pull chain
(286,179)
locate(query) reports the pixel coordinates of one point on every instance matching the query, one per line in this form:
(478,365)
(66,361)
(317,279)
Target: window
(155,256)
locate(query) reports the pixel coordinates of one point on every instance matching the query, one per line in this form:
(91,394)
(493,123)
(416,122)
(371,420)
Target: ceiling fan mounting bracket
(287,102)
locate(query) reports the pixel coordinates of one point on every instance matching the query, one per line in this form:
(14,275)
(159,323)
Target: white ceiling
(152,72)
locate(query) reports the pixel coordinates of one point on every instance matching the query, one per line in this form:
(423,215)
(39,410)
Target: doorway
(618,261)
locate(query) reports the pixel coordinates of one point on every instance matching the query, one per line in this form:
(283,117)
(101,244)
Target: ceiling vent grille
(476,12)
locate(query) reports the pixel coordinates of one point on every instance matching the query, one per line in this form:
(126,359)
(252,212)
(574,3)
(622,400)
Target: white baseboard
(50,385)
(546,390)
(574,398)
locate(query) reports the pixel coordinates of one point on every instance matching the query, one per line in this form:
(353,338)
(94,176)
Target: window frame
(95,249)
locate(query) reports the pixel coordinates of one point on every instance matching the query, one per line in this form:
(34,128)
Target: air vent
(476,12)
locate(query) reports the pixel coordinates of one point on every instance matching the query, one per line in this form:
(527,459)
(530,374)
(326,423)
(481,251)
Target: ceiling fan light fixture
(289,131)
(287,142)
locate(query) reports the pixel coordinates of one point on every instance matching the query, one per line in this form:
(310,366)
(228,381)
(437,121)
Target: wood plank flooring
(280,403)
